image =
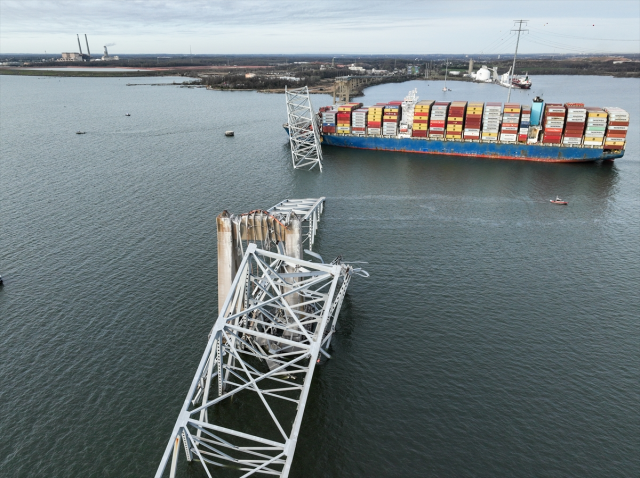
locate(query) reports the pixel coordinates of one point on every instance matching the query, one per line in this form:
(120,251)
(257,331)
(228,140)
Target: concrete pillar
(226,257)
(293,239)
(293,248)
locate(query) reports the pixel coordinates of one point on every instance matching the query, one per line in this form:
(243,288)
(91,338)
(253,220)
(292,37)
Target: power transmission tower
(513,68)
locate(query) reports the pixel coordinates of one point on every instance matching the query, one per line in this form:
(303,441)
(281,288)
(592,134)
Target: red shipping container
(421,113)
(455,122)
(419,133)
(416,120)
(328,129)
(551,131)
(522,138)
(573,135)
(574,105)
(618,123)
(616,134)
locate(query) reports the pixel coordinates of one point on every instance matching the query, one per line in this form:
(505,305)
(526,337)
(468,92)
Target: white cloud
(385,27)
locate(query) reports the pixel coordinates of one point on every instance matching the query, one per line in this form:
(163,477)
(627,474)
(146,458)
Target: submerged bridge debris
(276,320)
(304,129)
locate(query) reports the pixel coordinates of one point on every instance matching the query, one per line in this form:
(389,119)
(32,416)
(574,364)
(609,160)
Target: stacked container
(596,126)
(510,123)
(617,128)
(421,118)
(525,121)
(575,124)
(455,120)
(359,121)
(391,119)
(374,119)
(491,120)
(329,121)
(438,119)
(554,116)
(344,118)
(473,121)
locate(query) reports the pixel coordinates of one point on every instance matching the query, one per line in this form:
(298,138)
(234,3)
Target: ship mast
(513,68)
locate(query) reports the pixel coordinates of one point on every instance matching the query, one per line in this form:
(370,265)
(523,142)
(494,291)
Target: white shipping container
(619,128)
(375,131)
(593,143)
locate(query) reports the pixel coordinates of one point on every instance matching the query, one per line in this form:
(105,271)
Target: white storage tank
(483,74)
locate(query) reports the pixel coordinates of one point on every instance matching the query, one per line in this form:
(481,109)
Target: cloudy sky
(332,27)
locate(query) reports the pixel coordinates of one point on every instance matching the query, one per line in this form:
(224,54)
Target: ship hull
(515,151)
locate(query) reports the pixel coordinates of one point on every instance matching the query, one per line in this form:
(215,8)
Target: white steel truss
(277,319)
(309,211)
(304,129)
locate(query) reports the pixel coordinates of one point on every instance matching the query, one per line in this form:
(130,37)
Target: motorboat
(228,133)
(81,132)
(557,200)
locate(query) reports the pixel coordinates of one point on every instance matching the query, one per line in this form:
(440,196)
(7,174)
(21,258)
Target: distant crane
(88,52)
(84,57)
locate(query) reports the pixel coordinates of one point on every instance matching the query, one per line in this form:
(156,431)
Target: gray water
(497,335)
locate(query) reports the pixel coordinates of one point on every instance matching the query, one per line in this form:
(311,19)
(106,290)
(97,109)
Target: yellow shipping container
(455,118)
(602,114)
(420,126)
(454,127)
(589,138)
(489,135)
(474,111)
(453,136)
(512,110)
(476,104)
(614,143)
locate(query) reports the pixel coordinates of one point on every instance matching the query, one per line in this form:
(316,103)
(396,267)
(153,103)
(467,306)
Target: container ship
(551,132)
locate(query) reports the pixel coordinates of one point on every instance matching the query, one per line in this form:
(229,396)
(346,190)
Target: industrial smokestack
(79,46)
(106,53)
(87,41)
(470,65)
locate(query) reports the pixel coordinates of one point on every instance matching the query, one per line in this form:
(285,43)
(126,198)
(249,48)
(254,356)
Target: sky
(320,27)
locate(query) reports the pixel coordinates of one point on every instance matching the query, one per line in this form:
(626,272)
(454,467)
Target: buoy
(228,133)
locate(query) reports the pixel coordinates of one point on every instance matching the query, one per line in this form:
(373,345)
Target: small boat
(81,132)
(127,114)
(557,200)
(1,283)
(228,133)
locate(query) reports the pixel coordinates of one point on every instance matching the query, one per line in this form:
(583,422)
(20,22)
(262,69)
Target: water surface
(497,335)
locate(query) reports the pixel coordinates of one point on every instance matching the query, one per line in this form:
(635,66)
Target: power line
(577,38)
(513,68)
(562,46)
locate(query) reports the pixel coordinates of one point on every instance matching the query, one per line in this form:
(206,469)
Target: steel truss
(304,129)
(309,211)
(277,319)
